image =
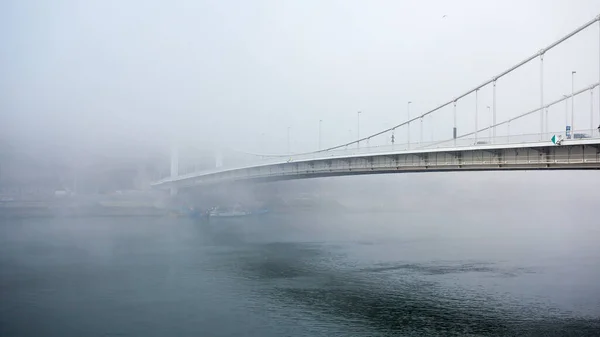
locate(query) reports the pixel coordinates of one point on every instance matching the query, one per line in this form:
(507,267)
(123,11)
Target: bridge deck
(571,154)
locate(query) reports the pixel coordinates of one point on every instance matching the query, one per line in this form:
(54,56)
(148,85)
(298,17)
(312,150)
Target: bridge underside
(564,157)
(348,172)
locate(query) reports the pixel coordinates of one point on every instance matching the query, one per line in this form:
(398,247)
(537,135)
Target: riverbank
(79,211)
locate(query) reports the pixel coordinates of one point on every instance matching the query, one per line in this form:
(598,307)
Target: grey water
(522,266)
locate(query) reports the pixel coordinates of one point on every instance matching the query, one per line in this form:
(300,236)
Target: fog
(103,81)
(97,97)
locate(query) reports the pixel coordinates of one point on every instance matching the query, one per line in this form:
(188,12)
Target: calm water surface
(509,271)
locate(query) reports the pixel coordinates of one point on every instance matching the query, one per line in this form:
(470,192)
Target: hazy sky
(108,75)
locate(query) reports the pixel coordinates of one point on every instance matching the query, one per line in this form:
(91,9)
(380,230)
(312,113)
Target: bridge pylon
(174,166)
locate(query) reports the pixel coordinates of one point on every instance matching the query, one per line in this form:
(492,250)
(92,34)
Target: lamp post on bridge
(566,116)
(358,129)
(592,110)
(288,139)
(476,110)
(408,125)
(494,111)
(454,130)
(431,118)
(542,95)
(421,131)
(490,129)
(320,122)
(573,103)
(546,120)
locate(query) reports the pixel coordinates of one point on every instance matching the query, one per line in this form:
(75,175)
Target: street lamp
(358,129)
(288,139)
(320,121)
(546,120)
(592,110)
(490,130)
(566,115)
(408,127)
(421,131)
(573,102)
(476,112)
(431,119)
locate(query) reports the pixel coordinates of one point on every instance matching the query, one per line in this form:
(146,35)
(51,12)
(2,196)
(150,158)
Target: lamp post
(358,129)
(408,127)
(573,102)
(320,122)
(288,139)
(566,115)
(490,129)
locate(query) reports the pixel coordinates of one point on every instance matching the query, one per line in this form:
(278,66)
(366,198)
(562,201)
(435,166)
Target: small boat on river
(233,213)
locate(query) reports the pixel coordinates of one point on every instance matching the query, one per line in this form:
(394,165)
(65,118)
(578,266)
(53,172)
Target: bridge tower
(174,166)
(218,158)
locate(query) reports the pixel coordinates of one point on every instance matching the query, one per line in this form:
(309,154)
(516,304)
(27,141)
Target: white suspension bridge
(577,146)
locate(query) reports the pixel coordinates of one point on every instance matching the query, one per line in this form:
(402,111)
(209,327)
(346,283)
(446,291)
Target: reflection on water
(363,274)
(402,303)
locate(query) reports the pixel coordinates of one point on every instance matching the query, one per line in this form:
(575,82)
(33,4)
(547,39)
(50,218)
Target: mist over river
(507,254)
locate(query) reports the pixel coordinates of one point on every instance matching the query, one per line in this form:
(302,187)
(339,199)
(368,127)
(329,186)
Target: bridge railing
(425,146)
(459,143)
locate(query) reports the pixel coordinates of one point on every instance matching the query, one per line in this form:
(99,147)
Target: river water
(501,269)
